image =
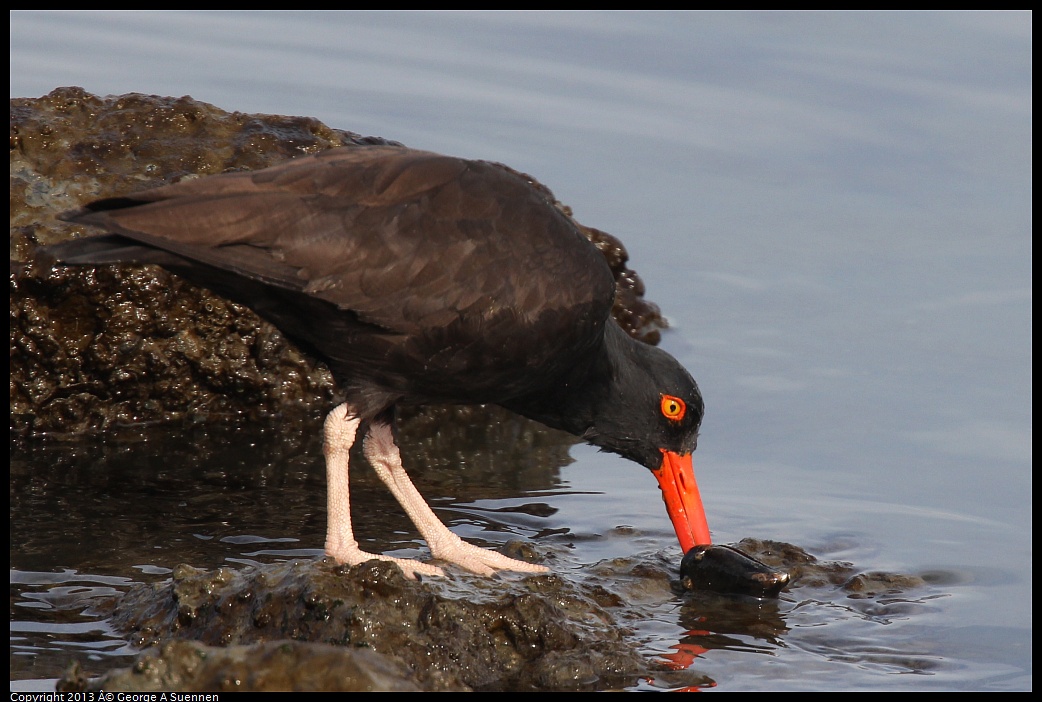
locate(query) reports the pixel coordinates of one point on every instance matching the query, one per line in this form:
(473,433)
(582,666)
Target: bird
(420,278)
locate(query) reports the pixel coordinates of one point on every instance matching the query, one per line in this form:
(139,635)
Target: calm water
(834,210)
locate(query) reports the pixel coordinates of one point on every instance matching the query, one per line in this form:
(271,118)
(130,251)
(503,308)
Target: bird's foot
(479,560)
(467,556)
(352,555)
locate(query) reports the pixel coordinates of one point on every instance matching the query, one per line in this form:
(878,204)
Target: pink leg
(383,454)
(341,428)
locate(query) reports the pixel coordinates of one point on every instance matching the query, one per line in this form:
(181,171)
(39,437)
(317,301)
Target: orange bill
(676,477)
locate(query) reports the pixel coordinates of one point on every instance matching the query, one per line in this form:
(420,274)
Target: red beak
(676,477)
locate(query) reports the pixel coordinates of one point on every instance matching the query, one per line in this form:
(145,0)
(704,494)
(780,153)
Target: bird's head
(651,413)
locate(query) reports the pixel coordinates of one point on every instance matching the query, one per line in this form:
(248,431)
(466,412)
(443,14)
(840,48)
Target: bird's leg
(383,454)
(341,428)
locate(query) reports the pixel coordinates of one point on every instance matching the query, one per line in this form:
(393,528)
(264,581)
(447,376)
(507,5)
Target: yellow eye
(673,408)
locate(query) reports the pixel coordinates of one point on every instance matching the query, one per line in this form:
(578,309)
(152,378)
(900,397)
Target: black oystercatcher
(421,278)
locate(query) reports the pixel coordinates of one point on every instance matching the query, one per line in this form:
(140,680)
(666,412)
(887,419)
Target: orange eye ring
(673,408)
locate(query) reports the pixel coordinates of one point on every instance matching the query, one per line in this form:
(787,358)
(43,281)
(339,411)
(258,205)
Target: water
(832,209)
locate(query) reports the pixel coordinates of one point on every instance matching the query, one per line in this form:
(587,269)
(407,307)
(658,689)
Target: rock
(471,633)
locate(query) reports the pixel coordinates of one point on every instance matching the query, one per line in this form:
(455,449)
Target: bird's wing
(412,242)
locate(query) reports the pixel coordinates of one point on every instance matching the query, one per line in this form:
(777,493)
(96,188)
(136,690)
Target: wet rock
(447,634)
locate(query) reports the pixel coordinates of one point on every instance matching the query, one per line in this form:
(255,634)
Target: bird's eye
(673,408)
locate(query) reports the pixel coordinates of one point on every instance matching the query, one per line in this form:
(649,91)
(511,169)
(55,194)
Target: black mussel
(726,569)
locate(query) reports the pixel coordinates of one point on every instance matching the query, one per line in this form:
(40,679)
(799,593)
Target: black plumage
(417,278)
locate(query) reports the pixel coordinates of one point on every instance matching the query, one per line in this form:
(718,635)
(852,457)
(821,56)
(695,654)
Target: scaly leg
(341,428)
(383,454)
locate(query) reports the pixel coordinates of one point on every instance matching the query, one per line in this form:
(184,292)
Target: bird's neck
(580,395)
